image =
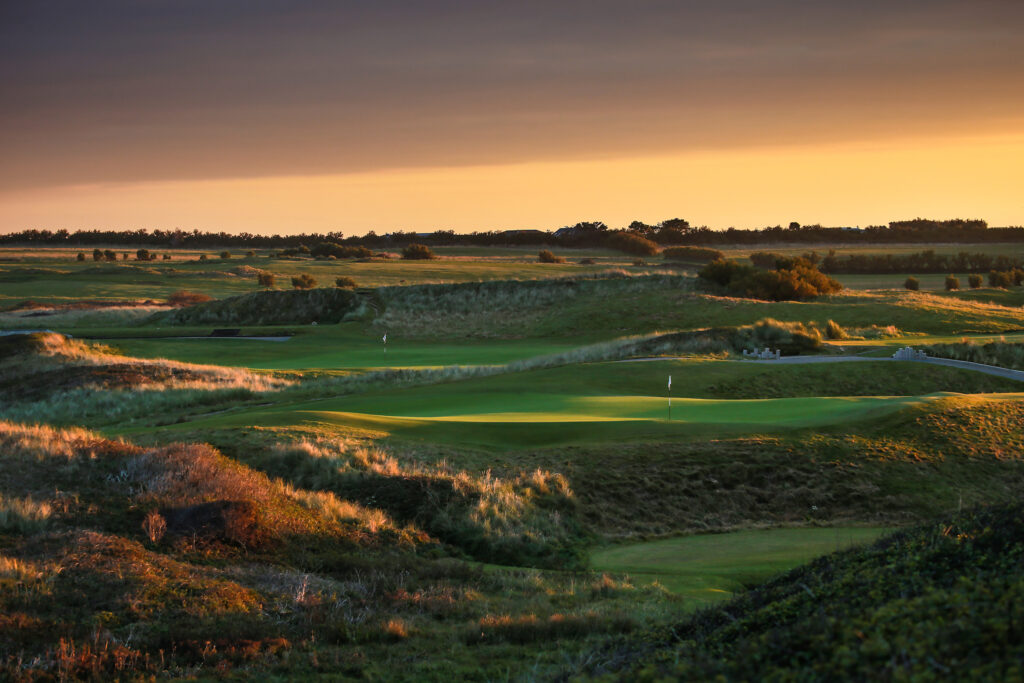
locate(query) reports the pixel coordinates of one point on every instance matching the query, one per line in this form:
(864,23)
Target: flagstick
(670,398)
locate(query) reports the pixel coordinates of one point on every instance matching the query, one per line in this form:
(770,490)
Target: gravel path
(804,360)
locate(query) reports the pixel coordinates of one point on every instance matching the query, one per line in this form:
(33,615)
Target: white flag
(670,381)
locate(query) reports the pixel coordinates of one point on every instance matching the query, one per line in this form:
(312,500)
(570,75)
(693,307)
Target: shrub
(202,257)
(722,272)
(765,259)
(952,282)
(795,280)
(417,252)
(266,279)
(586,261)
(304,281)
(124,255)
(834,330)
(974,281)
(81,256)
(699,254)
(167,257)
(183,298)
(225,254)
(912,283)
(1000,278)
(155,526)
(327,249)
(97,255)
(250,254)
(143,255)
(639,262)
(345,282)
(109,255)
(1018,277)
(547,256)
(629,243)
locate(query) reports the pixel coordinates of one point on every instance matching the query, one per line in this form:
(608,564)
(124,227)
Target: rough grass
(93,596)
(1002,354)
(299,306)
(938,601)
(47,377)
(525,518)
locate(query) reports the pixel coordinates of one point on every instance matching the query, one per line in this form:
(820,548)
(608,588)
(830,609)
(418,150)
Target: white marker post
(385,340)
(670,398)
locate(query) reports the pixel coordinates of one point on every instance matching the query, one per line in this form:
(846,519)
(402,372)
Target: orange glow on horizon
(838,184)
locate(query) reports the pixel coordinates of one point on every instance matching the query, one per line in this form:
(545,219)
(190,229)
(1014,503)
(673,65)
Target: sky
(277,117)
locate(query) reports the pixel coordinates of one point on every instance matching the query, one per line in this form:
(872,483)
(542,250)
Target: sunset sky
(261,116)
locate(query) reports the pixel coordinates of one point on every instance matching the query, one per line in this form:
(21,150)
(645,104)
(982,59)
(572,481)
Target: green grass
(589,403)
(339,347)
(712,567)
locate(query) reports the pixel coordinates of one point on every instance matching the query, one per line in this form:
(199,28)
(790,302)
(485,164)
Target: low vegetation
(1001,354)
(931,602)
(792,280)
(298,306)
(698,254)
(417,252)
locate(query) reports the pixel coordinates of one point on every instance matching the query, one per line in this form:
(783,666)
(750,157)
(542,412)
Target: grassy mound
(49,377)
(290,307)
(1003,354)
(938,601)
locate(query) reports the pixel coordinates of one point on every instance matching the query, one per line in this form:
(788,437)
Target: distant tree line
(918,262)
(673,231)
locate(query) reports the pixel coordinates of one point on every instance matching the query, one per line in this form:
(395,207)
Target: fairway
(345,346)
(711,567)
(573,404)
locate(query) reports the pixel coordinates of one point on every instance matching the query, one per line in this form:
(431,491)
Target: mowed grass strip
(711,567)
(601,402)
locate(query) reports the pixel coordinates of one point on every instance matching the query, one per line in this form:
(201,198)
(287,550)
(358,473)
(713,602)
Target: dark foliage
(794,280)
(629,243)
(952,283)
(417,252)
(304,281)
(345,281)
(912,283)
(340,251)
(547,256)
(267,307)
(699,254)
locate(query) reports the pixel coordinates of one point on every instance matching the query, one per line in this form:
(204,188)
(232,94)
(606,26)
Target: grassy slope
(712,567)
(940,601)
(624,401)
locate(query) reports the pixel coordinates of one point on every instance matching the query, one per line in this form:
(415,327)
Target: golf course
(477,454)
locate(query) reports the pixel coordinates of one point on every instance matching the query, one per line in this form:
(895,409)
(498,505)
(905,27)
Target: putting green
(711,567)
(572,404)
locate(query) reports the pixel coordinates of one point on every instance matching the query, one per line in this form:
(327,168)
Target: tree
(952,283)
(266,279)
(97,254)
(912,283)
(143,255)
(974,281)
(81,256)
(345,282)
(225,255)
